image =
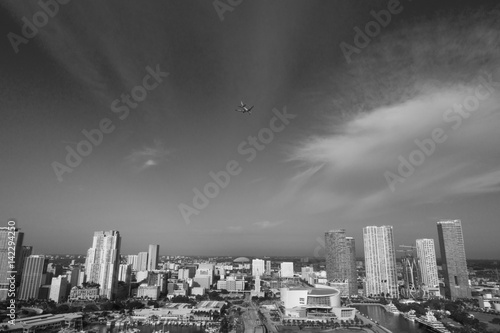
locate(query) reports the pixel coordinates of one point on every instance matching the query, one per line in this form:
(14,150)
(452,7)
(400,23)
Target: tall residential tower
(380,261)
(103,261)
(341,261)
(451,244)
(426,255)
(34,274)
(153,253)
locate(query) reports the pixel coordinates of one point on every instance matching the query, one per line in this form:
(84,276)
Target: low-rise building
(80,293)
(152,292)
(320,302)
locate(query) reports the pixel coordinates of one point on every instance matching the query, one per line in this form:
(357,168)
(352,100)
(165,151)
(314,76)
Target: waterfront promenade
(377,328)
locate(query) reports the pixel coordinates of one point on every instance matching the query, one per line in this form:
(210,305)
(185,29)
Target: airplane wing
(242,104)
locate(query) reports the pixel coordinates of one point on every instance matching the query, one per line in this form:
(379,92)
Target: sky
(119,115)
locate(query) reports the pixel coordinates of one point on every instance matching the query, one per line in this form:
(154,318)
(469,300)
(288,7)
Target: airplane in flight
(243,108)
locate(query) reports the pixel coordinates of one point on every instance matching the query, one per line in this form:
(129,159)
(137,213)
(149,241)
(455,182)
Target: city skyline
(124,119)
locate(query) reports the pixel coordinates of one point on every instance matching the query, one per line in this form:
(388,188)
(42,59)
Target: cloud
(147,157)
(93,54)
(396,94)
(234,228)
(267,224)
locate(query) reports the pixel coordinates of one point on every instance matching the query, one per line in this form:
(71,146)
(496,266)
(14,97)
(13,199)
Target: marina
(396,324)
(432,324)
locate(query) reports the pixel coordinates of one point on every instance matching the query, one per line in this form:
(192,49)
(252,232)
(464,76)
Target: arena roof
(323,292)
(241,259)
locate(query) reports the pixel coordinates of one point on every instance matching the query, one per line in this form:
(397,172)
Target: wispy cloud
(93,54)
(267,224)
(400,90)
(147,157)
(232,228)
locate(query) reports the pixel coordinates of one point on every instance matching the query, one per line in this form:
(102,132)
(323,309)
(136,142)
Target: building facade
(124,273)
(258,267)
(380,262)
(59,289)
(103,261)
(142,261)
(451,244)
(426,255)
(268,267)
(153,253)
(34,270)
(286,270)
(320,303)
(340,255)
(132,260)
(79,293)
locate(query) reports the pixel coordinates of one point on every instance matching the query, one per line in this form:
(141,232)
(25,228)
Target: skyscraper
(426,255)
(103,260)
(380,261)
(340,255)
(26,251)
(74,277)
(257,267)
(268,267)
(142,261)
(451,244)
(124,273)
(58,288)
(286,269)
(35,267)
(132,260)
(153,252)
(7,258)
(411,276)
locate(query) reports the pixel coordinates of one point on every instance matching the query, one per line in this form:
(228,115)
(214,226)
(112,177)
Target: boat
(392,308)
(410,315)
(432,324)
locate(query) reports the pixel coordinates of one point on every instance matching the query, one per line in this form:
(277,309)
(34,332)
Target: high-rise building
(411,277)
(257,267)
(286,270)
(153,253)
(132,259)
(103,260)
(451,244)
(124,273)
(142,261)
(26,251)
(34,275)
(9,261)
(340,254)
(305,272)
(426,255)
(268,267)
(74,277)
(58,288)
(380,261)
